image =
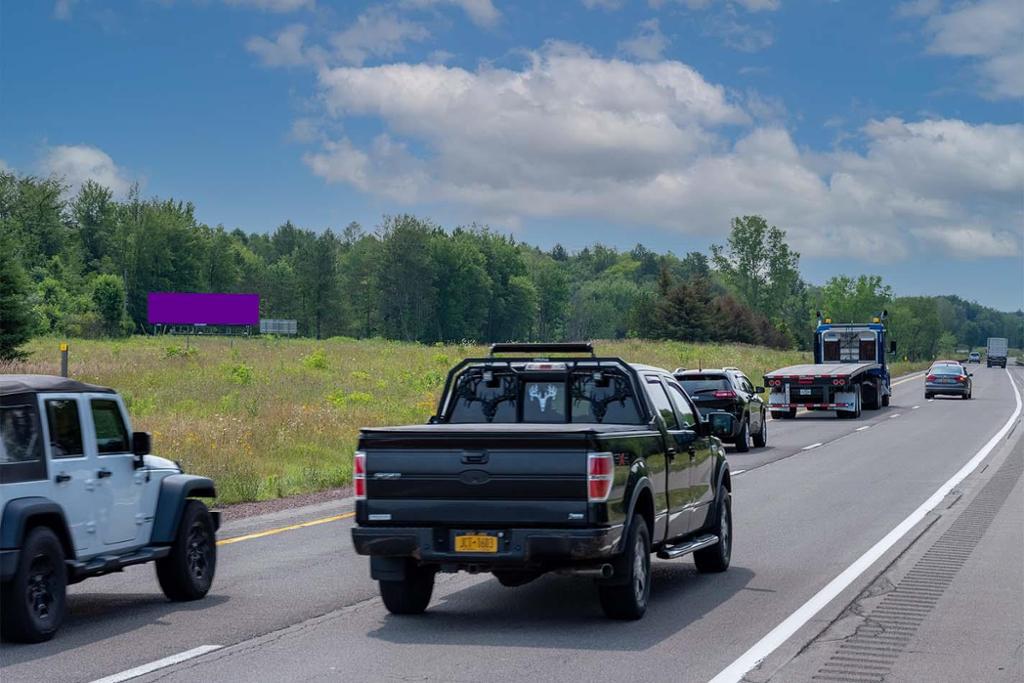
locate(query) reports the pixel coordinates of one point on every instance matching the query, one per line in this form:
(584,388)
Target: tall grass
(269,417)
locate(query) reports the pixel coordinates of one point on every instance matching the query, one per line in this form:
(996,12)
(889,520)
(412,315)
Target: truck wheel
(761,438)
(872,401)
(628,600)
(410,595)
(716,558)
(187,572)
(885,401)
(34,600)
(743,440)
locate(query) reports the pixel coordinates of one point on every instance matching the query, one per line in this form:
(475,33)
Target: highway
(829,518)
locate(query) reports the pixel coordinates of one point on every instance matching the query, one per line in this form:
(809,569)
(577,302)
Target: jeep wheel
(412,594)
(34,600)
(743,439)
(716,558)
(187,572)
(627,598)
(761,438)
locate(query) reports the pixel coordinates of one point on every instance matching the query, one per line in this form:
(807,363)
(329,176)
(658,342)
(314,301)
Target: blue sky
(884,137)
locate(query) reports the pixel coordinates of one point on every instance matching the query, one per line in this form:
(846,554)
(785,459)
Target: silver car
(948,379)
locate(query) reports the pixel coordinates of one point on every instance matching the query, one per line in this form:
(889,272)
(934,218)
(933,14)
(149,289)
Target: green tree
(853,300)
(109,300)
(16,318)
(758,266)
(685,312)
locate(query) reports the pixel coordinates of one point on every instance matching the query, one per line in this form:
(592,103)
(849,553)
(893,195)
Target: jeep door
(72,468)
(120,486)
(701,459)
(678,442)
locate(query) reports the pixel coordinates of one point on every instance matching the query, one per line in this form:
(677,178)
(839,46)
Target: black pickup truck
(538,462)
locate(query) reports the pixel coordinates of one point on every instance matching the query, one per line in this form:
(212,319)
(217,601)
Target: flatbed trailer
(848,375)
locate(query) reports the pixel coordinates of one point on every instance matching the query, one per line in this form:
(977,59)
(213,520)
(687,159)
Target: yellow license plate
(476,544)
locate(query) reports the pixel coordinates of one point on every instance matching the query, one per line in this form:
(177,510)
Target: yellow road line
(279,530)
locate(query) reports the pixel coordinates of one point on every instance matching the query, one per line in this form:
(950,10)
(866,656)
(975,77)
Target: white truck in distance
(996,353)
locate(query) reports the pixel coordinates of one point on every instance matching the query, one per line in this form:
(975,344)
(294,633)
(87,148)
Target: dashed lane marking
(894,415)
(813,445)
(158,664)
(915,407)
(279,530)
(861,429)
(738,473)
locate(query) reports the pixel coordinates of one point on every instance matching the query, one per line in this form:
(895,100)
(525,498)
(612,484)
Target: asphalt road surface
(809,581)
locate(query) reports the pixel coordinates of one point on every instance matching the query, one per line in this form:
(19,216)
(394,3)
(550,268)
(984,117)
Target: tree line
(82,266)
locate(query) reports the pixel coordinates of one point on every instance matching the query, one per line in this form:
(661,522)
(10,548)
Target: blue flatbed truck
(849,373)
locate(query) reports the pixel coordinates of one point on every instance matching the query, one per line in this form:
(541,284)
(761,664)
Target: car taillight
(600,477)
(725,393)
(930,378)
(962,378)
(359,475)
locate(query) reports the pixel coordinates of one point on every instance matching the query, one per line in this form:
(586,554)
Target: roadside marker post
(63,359)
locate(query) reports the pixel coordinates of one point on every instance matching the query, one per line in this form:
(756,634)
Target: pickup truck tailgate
(492,476)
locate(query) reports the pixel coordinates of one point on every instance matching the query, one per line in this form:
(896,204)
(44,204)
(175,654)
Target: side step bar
(674,551)
(104,564)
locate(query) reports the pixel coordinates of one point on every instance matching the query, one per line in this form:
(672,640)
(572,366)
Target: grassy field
(272,417)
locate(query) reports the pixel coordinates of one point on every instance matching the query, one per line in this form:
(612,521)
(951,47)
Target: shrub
(316,360)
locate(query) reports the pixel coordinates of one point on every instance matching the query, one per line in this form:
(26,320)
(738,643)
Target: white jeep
(82,496)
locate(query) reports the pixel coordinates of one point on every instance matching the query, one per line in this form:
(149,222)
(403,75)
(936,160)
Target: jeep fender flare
(22,513)
(175,490)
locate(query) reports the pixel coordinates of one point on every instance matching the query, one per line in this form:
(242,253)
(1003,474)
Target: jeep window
(682,406)
(111,435)
(661,403)
(707,384)
(19,434)
(65,428)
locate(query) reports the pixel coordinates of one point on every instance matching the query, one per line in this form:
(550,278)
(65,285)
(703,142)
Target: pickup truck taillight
(359,475)
(725,393)
(600,477)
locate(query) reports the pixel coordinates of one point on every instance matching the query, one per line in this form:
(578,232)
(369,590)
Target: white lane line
(813,445)
(738,473)
(915,407)
(894,415)
(907,379)
(158,664)
(861,429)
(781,633)
(931,400)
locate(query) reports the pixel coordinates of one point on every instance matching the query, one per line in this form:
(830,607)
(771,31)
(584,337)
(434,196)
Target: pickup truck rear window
(507,397)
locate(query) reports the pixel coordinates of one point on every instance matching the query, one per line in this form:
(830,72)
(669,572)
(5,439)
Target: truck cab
(836,343)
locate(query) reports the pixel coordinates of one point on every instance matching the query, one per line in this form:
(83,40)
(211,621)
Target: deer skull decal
(550,392)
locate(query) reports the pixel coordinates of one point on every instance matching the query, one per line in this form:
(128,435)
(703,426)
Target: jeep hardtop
(83,496)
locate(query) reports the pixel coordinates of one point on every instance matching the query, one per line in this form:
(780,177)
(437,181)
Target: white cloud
(991,32)
(4,167)
(749,5)
(285,50)
(603,4)
(75,164)
(62,9)
(918,8)
(556,138)
(648,42)
(738,34)
(480,12)
(274,5)
(376,33)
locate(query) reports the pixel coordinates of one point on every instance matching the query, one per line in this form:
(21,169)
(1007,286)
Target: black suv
(729,390)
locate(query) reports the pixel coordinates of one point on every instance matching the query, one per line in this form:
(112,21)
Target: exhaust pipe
(605,571)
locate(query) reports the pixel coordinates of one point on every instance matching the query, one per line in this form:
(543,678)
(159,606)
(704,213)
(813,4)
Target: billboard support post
(64,359)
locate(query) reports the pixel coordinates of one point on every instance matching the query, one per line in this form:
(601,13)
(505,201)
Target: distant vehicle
(996,352)
(575,464)
(82,496)
(948,379)
(730,390)
(849,372)
(974,357)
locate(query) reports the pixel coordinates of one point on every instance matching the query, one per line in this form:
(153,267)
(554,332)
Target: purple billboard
(180,308)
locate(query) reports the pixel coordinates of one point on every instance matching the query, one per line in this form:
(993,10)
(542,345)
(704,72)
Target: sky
(885,138)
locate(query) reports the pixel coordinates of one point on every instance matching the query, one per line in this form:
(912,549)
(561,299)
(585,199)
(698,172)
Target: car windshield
(502,396)
(705,384)
(946,370)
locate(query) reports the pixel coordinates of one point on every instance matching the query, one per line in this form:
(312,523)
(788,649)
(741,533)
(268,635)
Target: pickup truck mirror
(892,347)
(758,390)
(722,424)
(142,444)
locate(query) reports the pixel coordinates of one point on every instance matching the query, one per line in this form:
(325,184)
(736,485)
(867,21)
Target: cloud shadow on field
(564,612)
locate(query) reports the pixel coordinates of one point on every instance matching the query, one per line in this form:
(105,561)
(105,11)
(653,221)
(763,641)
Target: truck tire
(743,439)
(761,438)
(716,558)
(885,400)
(784,414)
(412,594)
(872,400)
(34,600)
(187,572)
(628,600)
